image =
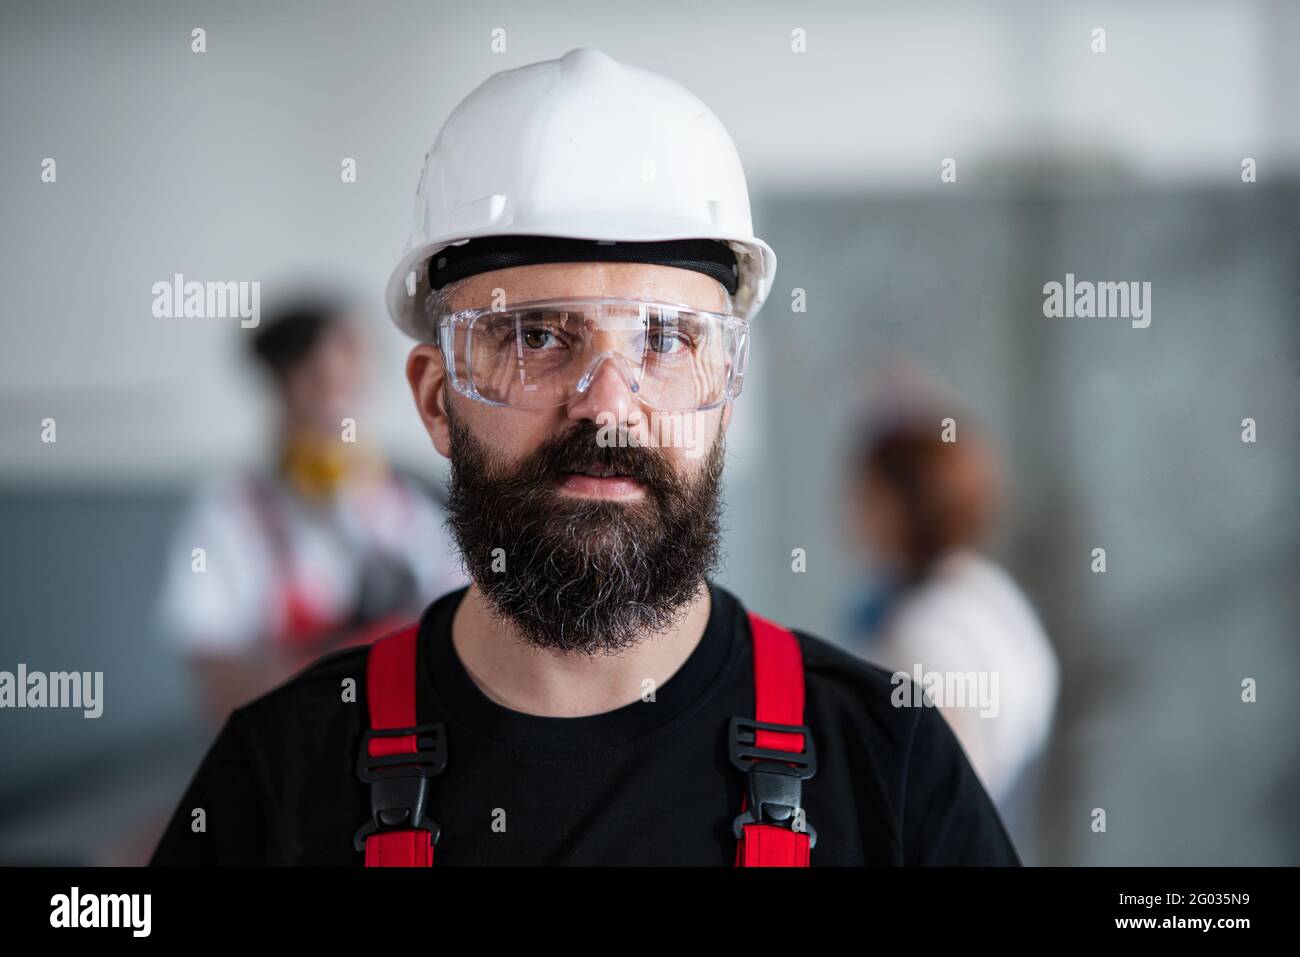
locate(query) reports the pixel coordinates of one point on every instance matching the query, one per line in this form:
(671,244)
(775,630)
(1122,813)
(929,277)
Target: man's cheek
(682,436)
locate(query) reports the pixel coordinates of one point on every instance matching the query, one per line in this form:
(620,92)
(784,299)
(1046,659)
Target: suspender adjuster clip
(774,777)
(399,782)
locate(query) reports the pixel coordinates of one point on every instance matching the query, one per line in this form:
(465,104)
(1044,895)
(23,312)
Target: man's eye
(537,338)
(665,343)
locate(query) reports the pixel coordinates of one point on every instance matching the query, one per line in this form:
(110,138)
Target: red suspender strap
(397,759)
(776,753)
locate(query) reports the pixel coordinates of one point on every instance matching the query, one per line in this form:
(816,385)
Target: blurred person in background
(921,507)
(326,547)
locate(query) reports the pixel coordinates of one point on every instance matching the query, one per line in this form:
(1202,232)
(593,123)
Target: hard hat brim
(408,288)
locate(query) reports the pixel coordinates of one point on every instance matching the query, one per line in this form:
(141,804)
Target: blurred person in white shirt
(921,507)
(326,546)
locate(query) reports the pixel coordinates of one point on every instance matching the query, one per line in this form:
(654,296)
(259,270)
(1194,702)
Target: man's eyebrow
(534,314)
(689,323)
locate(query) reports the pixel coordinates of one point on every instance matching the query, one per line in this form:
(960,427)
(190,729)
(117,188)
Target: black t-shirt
(647,783)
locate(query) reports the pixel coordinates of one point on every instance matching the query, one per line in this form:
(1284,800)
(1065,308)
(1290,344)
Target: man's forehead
(589,280)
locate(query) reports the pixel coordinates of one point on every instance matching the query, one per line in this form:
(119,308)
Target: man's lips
(600,483)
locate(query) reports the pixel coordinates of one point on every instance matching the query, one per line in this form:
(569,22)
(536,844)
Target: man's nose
(607,387)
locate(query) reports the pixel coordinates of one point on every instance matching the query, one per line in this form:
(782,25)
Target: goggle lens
(540,355)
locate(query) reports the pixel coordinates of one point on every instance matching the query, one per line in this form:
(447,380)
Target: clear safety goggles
(539,355)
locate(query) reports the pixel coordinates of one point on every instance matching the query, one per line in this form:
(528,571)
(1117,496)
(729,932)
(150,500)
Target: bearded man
(591,698)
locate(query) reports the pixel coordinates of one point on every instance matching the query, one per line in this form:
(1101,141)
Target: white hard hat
(582,147)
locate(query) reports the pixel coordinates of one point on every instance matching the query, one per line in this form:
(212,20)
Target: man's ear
(428,379)
(726,416)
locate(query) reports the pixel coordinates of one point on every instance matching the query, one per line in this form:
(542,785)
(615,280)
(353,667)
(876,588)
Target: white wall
(225,166)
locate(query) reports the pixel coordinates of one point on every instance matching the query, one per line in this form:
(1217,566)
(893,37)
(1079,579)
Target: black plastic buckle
(774,778)
(399,783)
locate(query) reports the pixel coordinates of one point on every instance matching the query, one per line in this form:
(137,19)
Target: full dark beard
(584,575)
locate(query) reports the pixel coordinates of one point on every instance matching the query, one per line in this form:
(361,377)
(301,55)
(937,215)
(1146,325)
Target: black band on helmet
(711,257)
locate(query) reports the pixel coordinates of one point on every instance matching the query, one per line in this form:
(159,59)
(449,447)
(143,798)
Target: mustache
(579,451)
